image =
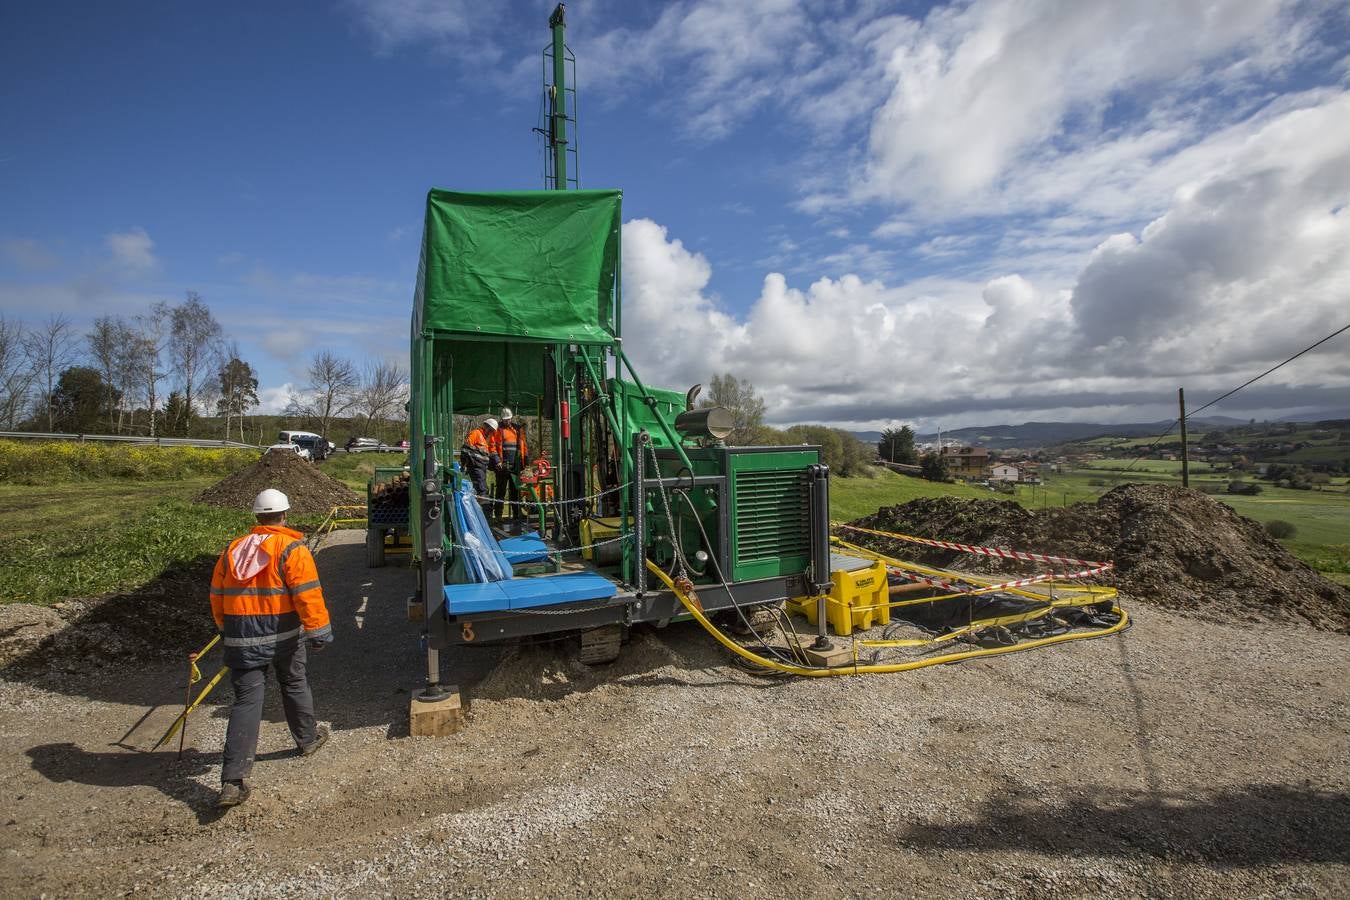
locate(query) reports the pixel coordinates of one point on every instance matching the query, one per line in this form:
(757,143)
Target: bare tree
(194,339)
(52,348)
(384,390)
(127,374)
(333,385)
(16,372)
(747,409)
(109,340)
(152,336)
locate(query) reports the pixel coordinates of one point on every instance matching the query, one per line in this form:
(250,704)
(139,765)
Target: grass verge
(85,540)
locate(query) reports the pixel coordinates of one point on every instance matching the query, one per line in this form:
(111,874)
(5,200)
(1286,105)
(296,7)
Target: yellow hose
(873,669)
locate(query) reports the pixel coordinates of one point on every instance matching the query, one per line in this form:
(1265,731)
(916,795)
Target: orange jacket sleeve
(218,582)
(302,577)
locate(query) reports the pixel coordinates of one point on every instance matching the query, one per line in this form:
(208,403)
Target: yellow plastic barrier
(859,595)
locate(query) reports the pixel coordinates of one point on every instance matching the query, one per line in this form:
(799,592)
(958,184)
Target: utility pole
(1185,452)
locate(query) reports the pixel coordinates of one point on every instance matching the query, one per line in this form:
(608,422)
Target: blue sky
(877,212)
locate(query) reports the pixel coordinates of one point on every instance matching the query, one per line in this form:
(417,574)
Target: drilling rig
(519,303)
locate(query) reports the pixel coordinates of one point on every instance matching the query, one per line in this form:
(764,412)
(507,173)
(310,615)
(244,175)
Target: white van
(288,437)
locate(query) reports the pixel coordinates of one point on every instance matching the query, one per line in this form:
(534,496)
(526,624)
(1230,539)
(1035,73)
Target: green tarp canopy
(532,265)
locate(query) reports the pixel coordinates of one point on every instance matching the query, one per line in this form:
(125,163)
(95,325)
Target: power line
(1248,383)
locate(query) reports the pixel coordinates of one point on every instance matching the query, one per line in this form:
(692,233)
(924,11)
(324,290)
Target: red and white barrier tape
(983,551)
(1020,582)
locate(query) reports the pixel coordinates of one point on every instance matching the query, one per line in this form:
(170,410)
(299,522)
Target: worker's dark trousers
(508,489)
(241,737)
(480,488)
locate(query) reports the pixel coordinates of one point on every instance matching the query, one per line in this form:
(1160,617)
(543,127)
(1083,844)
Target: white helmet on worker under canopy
(490,423)
(271,501)
(507,415)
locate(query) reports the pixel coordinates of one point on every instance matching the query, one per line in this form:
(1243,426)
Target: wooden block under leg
(436,718)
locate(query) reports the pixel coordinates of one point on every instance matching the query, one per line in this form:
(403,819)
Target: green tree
(934,468)
(747,409)
(840,450)
(897,446)
(81,401)
(238,392)
(177,418)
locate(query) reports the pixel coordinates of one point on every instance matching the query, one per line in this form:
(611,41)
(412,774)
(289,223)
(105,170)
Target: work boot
(320,738)
(232,793)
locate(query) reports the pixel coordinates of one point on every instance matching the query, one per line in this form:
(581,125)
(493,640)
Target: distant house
(967,462)
(1016,473)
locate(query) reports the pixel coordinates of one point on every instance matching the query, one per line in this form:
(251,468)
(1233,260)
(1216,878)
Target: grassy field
(355,469)
(84,539)
(853,498)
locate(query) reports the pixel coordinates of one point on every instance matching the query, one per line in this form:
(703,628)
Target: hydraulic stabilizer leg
(433,690)
(437,710)
(433,561)
(818,481)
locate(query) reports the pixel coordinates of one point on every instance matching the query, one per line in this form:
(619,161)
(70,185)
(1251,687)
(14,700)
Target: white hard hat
(271,501)
(507,415)
(491,423)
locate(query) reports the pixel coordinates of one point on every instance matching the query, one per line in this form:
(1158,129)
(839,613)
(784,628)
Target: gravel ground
(1182,758)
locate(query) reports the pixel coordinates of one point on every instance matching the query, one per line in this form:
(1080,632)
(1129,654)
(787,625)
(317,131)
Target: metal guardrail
(129,439)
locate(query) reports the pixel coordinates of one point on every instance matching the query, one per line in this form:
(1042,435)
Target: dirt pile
(163,619)
(309,490)
(1176,547)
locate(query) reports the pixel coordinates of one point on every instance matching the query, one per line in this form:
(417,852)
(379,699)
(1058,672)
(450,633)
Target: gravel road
(1183,758)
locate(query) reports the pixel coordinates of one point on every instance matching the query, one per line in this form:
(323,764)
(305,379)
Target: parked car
(293,448)
(319,447)
(289,437)
(362,445)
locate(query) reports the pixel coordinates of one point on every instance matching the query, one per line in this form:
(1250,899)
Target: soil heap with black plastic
(308,489)
(1173,546)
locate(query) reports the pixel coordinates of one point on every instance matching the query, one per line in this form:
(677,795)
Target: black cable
(717,567)
(1248,383)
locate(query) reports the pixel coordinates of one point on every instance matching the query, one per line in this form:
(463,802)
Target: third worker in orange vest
(477,455)
(508,443)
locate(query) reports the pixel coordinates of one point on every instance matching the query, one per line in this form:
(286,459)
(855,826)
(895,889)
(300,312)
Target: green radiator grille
(772,518)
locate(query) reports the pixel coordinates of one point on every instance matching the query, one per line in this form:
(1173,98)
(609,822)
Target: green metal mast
(557,132)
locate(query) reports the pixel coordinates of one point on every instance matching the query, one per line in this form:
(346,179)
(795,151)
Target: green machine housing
(518,303)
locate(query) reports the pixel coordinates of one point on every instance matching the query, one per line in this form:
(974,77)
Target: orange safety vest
(265,594)
(508,442)
(476,448)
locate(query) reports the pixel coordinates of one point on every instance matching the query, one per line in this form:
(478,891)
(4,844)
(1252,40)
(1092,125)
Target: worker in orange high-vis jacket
(476,456)
(508,444)
(268,605)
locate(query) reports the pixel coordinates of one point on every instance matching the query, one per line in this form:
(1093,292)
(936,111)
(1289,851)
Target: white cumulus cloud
(132,249)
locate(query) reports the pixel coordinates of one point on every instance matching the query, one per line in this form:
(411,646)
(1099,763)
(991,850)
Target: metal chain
(537,503)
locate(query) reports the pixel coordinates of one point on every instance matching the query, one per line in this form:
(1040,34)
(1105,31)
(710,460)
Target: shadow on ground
(172,777)
(131,649)
(1252,826)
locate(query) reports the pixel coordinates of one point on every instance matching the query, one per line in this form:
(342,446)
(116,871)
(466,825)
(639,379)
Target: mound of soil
(1176,547)
(160,620)
(309,490)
